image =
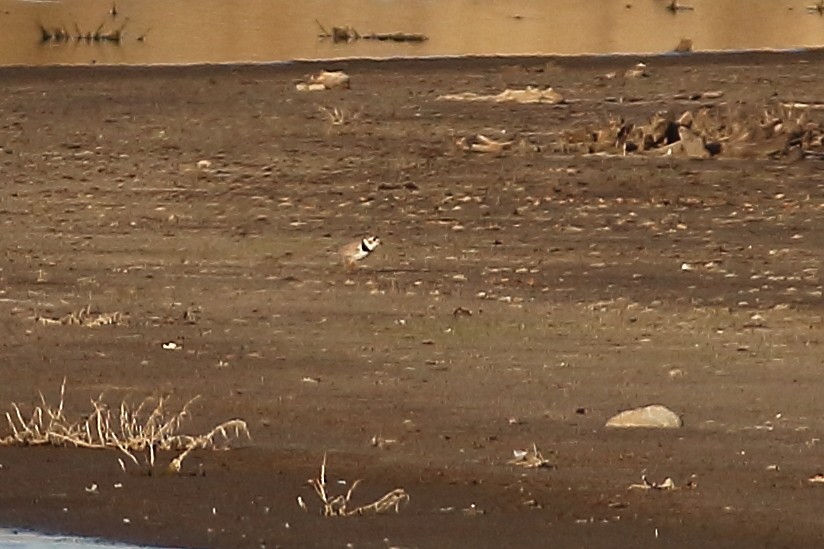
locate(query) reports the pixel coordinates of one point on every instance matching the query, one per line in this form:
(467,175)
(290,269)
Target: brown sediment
(593,283)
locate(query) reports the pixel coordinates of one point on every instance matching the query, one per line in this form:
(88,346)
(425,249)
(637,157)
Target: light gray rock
(689,146)
(693,144)
(654,416)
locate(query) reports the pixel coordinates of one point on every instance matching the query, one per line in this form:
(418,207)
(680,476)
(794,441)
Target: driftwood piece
(528,95)
(324,80)
(482,144)
(350,34)
(396,37)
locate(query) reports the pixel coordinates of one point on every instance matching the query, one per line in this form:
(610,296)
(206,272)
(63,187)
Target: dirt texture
(523,295)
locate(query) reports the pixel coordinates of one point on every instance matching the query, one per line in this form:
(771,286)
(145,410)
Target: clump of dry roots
(138,432)
(338,506)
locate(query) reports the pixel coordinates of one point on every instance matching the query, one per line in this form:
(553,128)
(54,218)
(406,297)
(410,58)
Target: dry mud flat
(519,297)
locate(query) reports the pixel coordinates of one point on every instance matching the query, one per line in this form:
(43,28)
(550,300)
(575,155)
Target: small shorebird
(356,251)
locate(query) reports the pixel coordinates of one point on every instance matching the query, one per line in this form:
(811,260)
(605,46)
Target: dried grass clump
(338,506)
(142,430)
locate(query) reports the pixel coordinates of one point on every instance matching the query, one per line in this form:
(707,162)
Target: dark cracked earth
(518,298)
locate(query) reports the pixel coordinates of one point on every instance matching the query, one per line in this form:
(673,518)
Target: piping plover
(357,251)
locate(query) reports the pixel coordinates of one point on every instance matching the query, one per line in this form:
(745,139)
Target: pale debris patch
(667,484)
(529,459)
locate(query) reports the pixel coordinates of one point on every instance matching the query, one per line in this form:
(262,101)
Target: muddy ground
(595,283)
